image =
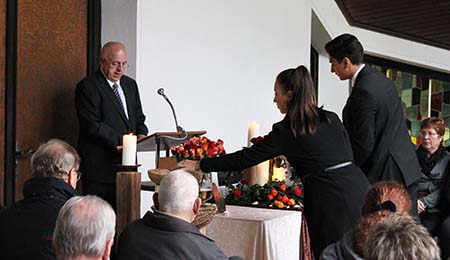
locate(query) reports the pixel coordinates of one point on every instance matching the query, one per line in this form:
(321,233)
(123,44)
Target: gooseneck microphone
(161,92)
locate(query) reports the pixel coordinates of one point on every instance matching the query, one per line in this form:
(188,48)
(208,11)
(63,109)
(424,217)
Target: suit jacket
(160,236)
(373,116)
(102,123)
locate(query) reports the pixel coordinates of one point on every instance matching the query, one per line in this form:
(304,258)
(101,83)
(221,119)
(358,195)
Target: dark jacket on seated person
(443,232)
(26,227)
(160,236)
(342,249)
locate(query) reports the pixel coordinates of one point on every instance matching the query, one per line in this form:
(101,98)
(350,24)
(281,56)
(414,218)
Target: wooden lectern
(162,141)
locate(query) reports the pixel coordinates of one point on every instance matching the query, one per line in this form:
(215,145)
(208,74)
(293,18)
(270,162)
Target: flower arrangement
(197,148)
(275,194)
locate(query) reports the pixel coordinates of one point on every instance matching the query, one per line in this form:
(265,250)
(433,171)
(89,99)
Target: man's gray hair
(400,237)
(54,158)
(83,227)
(178,191)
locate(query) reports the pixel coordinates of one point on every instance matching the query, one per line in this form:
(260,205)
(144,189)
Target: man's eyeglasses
(117,64)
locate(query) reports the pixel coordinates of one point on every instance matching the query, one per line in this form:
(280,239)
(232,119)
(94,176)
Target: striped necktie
(116,92)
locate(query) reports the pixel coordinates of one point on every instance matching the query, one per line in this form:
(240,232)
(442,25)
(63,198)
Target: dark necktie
(116,92)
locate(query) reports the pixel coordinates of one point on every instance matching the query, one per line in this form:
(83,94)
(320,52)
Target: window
(423,92)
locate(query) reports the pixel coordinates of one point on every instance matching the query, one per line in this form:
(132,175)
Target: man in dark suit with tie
(374,118)
(108,106)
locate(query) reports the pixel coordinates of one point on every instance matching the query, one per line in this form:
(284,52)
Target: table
(257,233)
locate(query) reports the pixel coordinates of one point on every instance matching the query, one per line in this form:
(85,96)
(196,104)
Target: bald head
(110,48)
(178,192)
(113,60)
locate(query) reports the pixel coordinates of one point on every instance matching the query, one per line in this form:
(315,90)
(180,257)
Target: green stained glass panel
(411,113)
(406,80)
(436,86)
(445,110)
(415,128)
(407,97)
(424,103)
(446,85)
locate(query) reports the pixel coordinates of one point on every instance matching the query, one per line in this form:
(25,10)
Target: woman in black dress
(316,144)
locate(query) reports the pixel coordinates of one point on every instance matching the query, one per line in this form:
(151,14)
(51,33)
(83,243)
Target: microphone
(161,92)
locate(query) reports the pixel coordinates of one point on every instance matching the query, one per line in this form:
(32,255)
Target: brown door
(51,59)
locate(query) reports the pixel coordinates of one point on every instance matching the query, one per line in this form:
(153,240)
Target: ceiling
(424,21)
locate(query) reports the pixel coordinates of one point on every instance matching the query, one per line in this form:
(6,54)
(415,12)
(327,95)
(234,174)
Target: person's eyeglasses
(117,64)
(430,134)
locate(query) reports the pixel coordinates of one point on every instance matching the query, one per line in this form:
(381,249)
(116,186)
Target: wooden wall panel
(2,93)
(51,59)
(422,21)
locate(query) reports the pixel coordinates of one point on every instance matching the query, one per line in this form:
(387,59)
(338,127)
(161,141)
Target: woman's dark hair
(303,112)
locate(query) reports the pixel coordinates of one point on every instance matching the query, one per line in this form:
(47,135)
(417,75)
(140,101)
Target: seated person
(433,159)
(400,237)
(383,199)
(26,227)
(443,231)
(168,233)
(85,229)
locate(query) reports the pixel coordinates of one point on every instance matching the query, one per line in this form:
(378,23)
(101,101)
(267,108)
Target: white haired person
(168,233)
(85,229)
(26,227)
(399,237)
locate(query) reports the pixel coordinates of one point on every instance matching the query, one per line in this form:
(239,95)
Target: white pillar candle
(263,173)
(253,131)
(129,149)
(259,174)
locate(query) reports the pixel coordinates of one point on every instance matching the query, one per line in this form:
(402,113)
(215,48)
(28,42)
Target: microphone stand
(178,127)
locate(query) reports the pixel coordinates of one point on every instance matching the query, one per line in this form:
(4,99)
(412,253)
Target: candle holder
(128,168)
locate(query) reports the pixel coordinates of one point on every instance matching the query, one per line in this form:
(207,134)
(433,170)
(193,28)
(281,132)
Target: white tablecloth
(255,233)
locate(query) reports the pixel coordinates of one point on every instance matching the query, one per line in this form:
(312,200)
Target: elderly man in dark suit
(108,106)
(374,119)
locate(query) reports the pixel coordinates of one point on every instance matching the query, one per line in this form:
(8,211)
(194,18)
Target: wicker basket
(205,215)
(156,175)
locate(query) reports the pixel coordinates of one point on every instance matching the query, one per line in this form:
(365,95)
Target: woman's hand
(420,206)
(189,165)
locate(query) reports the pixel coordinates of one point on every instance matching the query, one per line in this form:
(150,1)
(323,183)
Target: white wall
(332,93)
(217,61)
(119,24)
